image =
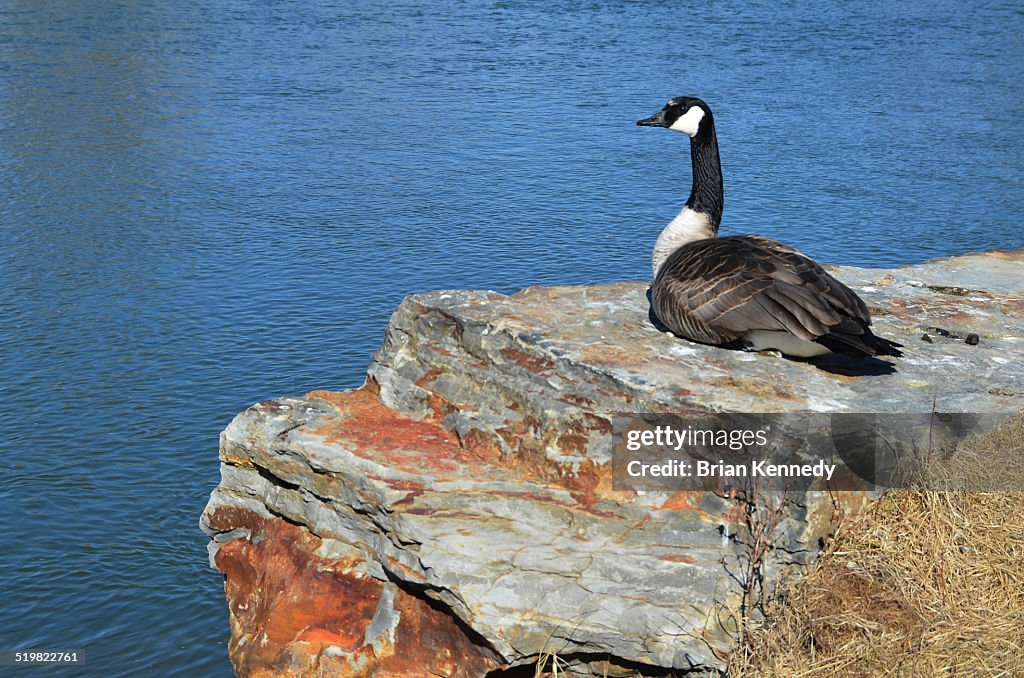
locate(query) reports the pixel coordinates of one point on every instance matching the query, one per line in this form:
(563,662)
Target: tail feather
(854,337)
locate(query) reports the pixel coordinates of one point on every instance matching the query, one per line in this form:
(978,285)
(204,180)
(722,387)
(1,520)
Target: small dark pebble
(972,339)
(942,332)
(925,337)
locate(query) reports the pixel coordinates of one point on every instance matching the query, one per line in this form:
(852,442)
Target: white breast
(688,226)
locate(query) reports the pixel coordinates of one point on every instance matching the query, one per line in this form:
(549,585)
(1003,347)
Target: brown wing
(716,290)
(841,295)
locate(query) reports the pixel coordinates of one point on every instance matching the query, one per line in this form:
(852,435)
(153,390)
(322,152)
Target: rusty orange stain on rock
(374,431)
(533,363)
(264,581)
(430,375)
(371,386)
(531,461)
(577,400)
(413,488)
(232,517)
(439,406)
(399,566)
(289,608)
(676,558)
(573,439)
(481,445)
(589,482)
(683,500)
(371,430)
(441,351)
(689,501)
(515,433)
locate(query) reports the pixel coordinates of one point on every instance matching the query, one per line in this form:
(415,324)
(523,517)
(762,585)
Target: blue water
(205,205)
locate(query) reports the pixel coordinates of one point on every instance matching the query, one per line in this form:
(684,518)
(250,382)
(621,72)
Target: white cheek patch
(689,122)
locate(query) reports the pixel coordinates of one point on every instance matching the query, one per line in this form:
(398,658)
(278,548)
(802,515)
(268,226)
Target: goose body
(747,291)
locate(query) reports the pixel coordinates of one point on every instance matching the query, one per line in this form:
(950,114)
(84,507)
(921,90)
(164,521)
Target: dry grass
(925,583)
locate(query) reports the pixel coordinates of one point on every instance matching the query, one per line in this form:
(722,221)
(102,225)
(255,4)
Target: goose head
(680,114)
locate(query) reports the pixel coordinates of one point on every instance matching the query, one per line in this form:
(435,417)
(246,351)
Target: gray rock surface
(474,467)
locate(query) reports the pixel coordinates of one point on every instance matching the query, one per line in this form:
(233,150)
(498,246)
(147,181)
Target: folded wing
(720,290)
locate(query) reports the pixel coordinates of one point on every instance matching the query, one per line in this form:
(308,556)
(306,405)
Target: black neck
(707,194)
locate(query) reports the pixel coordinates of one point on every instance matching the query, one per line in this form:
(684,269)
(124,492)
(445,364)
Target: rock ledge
(456,514)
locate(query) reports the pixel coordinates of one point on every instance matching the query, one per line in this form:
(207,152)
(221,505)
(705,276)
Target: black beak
(656,120)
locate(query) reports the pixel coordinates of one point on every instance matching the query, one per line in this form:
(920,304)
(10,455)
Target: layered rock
(456,516)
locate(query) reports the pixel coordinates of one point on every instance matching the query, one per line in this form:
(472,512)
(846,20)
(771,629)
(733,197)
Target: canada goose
(745,291)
